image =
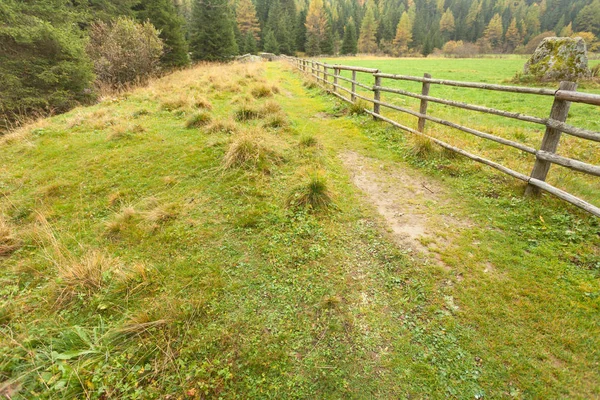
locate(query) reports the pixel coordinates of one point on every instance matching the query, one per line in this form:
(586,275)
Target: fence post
(325,76)
(376,95)
(559,112)
(336,72)
(353,95)
(423,107)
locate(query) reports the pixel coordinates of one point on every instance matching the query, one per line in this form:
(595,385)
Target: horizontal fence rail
(545,156)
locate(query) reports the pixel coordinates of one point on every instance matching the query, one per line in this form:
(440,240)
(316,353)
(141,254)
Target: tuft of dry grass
(84,276)
(119,132)
(121,221)
(198,120)
(422,147)
(249,151)
(227,126)
(270,107)
(358,107)
(8,240)
(175,104)
(278,120)
(312,194)
(160,214)
(260,91)
(202,102)
(247,112)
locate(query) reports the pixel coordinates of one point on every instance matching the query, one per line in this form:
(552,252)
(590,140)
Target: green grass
(211,286)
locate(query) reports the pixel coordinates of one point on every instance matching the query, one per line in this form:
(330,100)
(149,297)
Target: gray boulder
(559,59)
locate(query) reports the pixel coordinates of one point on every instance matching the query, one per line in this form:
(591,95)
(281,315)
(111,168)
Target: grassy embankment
(160,243)
(498,71)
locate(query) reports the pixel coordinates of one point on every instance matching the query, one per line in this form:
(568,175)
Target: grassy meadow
(201,238)
(499,70)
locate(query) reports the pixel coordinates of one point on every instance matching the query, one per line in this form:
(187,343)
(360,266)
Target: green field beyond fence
(495,71)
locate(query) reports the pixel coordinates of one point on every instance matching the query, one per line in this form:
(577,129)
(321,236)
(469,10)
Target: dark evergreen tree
(270,42)
(301,31)
(350,41)
(163,15)
(211,32)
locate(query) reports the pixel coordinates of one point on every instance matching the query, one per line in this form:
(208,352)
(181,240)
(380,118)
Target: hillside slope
(163,245)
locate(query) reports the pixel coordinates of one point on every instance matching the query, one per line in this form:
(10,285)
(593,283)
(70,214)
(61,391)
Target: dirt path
(409,202)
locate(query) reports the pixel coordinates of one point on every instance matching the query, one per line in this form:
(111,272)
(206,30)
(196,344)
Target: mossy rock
(559,59)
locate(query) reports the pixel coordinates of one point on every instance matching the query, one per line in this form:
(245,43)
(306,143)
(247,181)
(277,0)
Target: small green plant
(358,107)
(312,194)
(198,120)
(308,141)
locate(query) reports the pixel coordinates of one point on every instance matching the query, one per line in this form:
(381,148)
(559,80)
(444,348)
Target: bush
(43,68)
(460,49)
(124,51)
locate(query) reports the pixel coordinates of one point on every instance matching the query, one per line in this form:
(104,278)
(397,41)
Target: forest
(55,54)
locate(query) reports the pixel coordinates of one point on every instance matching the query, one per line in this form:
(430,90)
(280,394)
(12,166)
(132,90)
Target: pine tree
(367,40)
(270,42)
(588,19)
(250,44)
(493,32)
(349,44)
(512,37)
(447,23)
(567,31)
(316,25)
(301,31)
(247,22)
(163,15)
(403,35)
(212,36)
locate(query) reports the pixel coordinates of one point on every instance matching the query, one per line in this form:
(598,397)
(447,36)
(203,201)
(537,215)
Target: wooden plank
(423,105)
(474,85)
(467,106)
(573,130)
(357,69)
(561,194)
(559,112)
(578,97)
(472,131)
(576,165)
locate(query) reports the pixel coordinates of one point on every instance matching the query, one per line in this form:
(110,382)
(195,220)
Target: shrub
(312,194)
(124,51)
(198,120)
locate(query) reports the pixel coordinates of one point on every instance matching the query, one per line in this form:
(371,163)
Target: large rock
(559,59)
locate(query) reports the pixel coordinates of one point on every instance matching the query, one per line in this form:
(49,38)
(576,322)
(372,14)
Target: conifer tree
(367,40)
(212,34)
(270,42)
(316,25)
(513,36)
(588,19)
(301,31)
(349,44)
(163,15)
(493,32)
(247,22)
(403,35)
(447,23)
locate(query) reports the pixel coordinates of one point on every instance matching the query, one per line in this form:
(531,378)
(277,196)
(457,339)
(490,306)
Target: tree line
(55,53)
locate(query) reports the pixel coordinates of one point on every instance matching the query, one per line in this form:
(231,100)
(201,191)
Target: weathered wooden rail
(545,156)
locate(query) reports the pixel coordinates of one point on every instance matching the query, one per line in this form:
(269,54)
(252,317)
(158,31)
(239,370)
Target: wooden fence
(544,156)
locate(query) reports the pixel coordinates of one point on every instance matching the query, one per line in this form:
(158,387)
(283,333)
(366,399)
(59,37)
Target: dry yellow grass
(8,240)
